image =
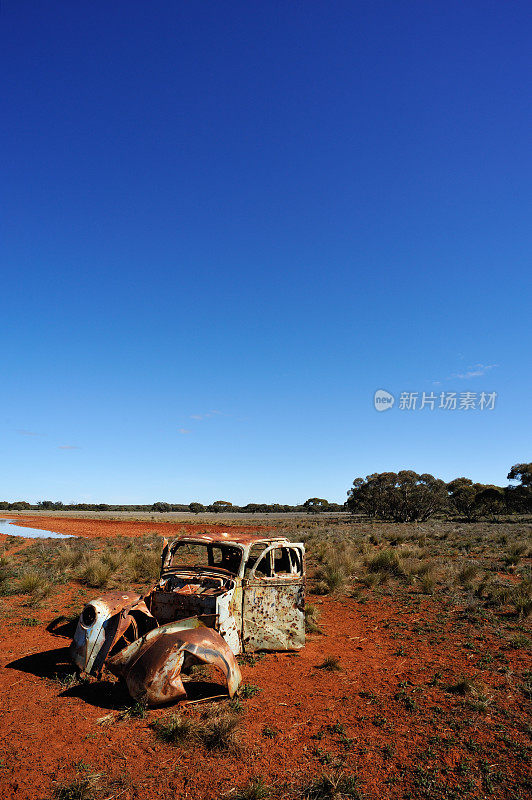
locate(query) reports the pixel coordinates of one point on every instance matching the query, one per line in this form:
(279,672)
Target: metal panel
(274,617)
(274,607)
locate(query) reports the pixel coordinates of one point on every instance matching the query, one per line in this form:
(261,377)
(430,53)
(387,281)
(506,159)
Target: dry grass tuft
(217,728)
(95,572)
(311,619)
(36,586)
(331,664)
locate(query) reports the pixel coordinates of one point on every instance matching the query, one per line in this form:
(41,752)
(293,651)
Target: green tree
(196,508)
(522,473)
(402,497)
(519,498)
(221,505)
(315,505)
(490,500)
(463,494)
(161,506)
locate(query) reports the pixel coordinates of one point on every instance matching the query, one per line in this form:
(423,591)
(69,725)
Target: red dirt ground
(107,528)
(384,716)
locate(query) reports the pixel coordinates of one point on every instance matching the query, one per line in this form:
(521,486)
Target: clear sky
(227,224)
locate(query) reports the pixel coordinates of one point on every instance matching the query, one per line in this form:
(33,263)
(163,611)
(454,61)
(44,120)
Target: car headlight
(88,616)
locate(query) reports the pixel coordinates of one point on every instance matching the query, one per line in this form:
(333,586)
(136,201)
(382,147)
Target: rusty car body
(218,595)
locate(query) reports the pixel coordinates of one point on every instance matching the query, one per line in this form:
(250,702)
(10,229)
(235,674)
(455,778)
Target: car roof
(228,537)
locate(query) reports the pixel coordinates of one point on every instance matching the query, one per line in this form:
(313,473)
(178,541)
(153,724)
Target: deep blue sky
(227,224)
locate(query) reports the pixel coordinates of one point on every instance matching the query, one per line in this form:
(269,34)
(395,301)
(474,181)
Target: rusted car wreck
(218,595)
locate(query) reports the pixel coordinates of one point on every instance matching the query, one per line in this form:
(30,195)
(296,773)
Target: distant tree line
(313,505)
(404,496)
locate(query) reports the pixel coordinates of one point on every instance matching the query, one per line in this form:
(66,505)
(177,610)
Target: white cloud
(475,372)
(28,433)
(69,447)
(207,415)
(183,430)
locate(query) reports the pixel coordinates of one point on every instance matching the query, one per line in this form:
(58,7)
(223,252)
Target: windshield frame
(170,563)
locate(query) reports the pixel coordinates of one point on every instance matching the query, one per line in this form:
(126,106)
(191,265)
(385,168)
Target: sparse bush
(175,728)
(136,710)
(519,640)
(111,559)
(521,598)
(331,664)
(336,565)
(217,728)
(518,596)
(66,680)
(311,619)
(514,554)
(467,574)
(331,787)
(247,690)
(235,705)
(95,572)
(256,789)
(526,688)
(7,573)
(462,686)
(36,586)
(385,563)
(69,557)
(83,788)
(428,582)
(142,566)
(271,732)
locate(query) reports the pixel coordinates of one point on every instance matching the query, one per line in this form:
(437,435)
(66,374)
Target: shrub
(521,598)
(311,619)
(36,586)
(462,686)
(69,557)
(402,497)
(143,565)
(248,690)
(175,728)
(330,787)
(385,563)
(335,569)
(331,664)
(95,572)
(255,789)
(218,729)
(79,789)
(514,554)
(467,574)
(7,573)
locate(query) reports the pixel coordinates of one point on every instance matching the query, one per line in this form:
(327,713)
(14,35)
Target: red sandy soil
(387,651)
(107,528)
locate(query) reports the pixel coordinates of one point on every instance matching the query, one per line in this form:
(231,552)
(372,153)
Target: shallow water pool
(8,526)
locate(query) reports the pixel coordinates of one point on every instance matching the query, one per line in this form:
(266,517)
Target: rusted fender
(151,666)
(98,628)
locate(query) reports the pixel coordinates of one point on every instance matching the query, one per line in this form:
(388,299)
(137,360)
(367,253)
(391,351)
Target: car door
(273,609)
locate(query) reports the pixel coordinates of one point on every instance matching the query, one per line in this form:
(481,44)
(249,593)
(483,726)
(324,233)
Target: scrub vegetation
(415,681)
